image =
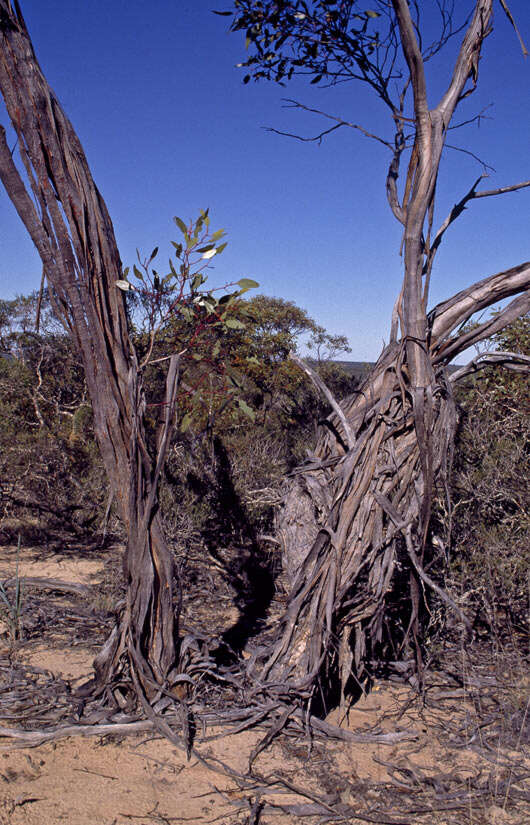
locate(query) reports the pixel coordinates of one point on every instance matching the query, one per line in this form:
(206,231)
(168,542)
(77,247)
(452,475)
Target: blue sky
(169,128)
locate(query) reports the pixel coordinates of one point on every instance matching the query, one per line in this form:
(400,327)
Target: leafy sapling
(176,313)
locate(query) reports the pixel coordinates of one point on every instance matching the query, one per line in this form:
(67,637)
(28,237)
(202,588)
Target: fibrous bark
(355,522)
(68,222)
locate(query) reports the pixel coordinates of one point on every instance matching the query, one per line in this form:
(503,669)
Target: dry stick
(345,815)
(34,738)
(51,584)
(319,383)
(265,742)
(509,360)
(432,584)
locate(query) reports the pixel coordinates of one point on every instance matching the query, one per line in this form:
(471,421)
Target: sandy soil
(145,780)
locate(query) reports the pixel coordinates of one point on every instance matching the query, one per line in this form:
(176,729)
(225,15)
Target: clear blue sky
(169,128)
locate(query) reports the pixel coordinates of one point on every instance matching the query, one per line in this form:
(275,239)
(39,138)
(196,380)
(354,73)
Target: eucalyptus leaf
(186,313)
(185,423)
(125,286)
(181,225)
(247,283)
(233,323)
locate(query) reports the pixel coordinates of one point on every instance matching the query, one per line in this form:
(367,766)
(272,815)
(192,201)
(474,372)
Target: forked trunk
(358,513)
(354,521)
(361,503)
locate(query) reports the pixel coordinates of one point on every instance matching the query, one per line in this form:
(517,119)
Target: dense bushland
(244,421)
(488,523)
(227,464)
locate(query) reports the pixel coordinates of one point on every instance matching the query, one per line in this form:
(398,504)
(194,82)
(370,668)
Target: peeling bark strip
(360,510)
(69,224)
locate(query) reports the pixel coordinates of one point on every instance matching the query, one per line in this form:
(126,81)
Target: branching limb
(454,312)
(509,360)
(294,104)
(459,207)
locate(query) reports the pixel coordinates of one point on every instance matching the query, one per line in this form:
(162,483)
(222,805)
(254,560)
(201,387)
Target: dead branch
(294,104)
(456,311)
(509,360)
(50,584)
(459,207)
(432,584)
(452,347)
(320,385)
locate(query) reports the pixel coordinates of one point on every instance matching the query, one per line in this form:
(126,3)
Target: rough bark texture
(355,521)
(69,224)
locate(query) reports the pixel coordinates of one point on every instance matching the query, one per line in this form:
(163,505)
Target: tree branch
(459,207)
(413,56)
(294,104)
(509,360)
(519,306)
(454,312)
(432,584)
(319,384)
(467,61)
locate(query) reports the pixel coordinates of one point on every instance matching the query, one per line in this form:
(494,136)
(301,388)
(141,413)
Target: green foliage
(46,438)
(325,39)
(490,522)
(237,385)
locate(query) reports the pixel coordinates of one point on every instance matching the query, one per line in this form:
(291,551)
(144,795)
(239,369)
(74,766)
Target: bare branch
(315,139)
(294,104)
(512,21)
(502,189)
(515,361)
(426,579)
(454,312)
(519,306)
(468,59)
(413,57)
(471,155)
(319,383)
(459,207)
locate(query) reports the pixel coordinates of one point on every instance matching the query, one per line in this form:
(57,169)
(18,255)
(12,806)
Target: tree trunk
(356,518)
(69,224)
(352,524)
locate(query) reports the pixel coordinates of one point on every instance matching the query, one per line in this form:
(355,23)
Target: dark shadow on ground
(249,570)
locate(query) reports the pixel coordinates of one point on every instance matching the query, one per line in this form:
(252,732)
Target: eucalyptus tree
(355,522)
(65,215)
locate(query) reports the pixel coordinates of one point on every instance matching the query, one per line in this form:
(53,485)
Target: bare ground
(466,758)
